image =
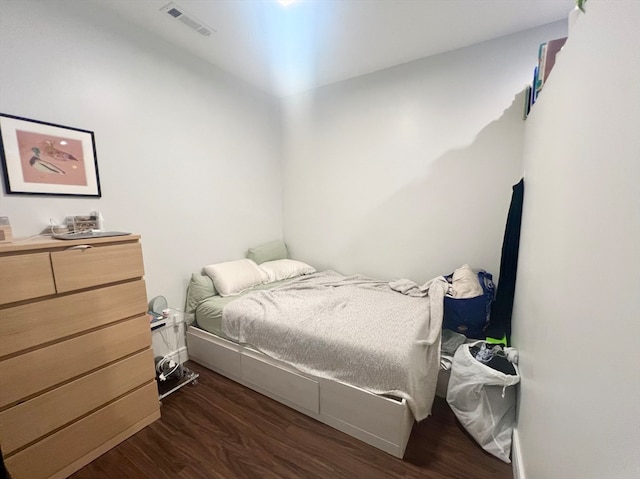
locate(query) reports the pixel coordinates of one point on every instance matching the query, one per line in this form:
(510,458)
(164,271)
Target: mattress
(209,311)
(354,330)
(351,329)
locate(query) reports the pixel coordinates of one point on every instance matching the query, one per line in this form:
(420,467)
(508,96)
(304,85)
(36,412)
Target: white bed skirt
(377,420)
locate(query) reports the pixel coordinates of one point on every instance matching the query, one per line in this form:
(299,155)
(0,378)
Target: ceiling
(310,43)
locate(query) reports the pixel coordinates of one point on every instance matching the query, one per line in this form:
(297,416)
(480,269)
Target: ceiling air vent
(187,19)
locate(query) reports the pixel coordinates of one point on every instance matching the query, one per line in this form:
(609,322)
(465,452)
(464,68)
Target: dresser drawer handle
(80,246)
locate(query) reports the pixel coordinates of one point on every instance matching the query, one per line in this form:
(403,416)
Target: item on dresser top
(99,220)
(55,229)
(469,316)
(5,230)
(88,235)
(81,223)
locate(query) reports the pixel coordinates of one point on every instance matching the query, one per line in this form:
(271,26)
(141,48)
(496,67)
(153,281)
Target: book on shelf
(534,85)
(527,102)
(530,94)
(547,55)
(542,49)
(551,53)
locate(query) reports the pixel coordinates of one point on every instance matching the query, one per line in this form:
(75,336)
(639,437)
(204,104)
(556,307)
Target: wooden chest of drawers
(76,368)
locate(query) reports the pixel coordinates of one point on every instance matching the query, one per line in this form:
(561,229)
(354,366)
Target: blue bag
(470,316)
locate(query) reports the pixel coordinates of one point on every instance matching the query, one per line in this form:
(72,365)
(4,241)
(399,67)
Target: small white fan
(158,304)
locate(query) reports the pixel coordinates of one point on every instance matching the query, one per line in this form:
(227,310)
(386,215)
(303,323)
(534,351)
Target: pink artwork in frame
(51,159)
(45,158)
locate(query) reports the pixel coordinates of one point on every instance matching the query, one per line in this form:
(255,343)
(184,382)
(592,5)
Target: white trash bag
(484,400)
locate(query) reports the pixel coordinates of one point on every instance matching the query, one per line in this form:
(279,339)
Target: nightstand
(180,375)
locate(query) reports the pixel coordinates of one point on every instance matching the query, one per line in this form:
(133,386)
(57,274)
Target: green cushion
(200,288)
(268,252)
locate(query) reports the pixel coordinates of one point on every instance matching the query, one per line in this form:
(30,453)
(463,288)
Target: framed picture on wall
(40,158)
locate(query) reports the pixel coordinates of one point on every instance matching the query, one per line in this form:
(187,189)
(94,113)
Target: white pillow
(233,277)
(280,269)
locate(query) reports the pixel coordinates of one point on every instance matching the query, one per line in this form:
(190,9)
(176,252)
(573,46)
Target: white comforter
(352,329)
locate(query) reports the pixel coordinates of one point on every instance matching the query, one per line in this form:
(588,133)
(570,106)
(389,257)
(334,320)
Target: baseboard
(516,457)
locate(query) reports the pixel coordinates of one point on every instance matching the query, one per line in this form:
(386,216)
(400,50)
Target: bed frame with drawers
(382,422)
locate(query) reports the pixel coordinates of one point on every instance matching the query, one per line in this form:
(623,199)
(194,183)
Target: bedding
(234,277)
(285,268)
(200,288)
(351,329)
(208,312)
(268,252)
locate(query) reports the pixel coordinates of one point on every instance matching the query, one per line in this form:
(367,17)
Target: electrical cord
(163,375)
(167,358)
(52,224)
(165,340)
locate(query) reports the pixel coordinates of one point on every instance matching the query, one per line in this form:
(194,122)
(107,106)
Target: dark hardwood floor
(219,429)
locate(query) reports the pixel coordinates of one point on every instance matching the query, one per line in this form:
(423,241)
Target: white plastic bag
(484,401)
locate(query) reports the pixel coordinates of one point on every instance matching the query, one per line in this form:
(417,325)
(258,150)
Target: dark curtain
(502,307)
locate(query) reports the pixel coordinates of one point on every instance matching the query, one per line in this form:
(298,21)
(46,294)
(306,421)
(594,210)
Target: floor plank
(219,429)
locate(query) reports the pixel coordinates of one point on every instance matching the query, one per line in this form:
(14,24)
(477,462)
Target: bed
(317,342)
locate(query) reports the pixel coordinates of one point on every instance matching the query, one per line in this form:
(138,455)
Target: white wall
(407,172)
(577,307)
(189,157)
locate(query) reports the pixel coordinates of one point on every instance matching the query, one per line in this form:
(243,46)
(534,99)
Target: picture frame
(41,158)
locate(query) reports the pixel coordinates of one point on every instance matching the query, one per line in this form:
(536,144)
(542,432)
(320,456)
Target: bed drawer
(286,384)
(25,326)
(378,415)
(32,419)
(82,268)
(43,368)
(218,354)
(61,449)
(25,276)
